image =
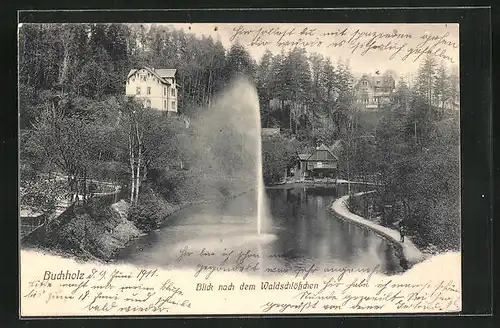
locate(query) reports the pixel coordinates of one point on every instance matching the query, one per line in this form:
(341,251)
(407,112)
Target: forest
(75,122)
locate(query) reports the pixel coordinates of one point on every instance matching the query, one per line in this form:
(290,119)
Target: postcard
(239,168)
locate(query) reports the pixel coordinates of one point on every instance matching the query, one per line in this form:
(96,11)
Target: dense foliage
(76,124)
(416,155)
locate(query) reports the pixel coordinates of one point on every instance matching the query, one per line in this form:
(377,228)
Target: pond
(304,233)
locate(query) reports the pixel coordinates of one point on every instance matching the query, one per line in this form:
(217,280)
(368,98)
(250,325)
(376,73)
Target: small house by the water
(321,163)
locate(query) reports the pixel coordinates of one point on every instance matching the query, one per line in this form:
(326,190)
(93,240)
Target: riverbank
(318,183)
(91,231)
(172,209)
(408,253)
(98,232)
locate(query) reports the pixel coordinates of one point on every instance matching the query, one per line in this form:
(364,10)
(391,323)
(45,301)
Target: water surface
(304,232)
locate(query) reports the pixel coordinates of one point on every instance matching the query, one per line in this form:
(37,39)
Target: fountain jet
(233,124)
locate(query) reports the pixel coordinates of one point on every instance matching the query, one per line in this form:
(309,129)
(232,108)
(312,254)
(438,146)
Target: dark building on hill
(373,91)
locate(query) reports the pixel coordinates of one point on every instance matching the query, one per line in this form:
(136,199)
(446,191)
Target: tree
(93,81)
(344,113)
(402,96)
(350,136)
(278,154)
(151,140)
(296,84)
(98,41)
(417,156)
(213,69)
(161,146)
(454,87)
(28,105)
(392,73)
(39,194)
(425,78)
(30,55)
(264,81)
(68,143)
(319,88)
(441,86)
(239,62)
(133,130)
(117,48)
(331,82)
(393,145)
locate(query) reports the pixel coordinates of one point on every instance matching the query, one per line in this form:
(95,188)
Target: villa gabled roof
(165,72)
(382,81)
(159,73)
(132,72)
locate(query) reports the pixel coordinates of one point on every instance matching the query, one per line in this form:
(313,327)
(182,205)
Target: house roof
(132,72)
(323,147)
(160,73)
(304,157)
(165,72)
(383,81)
(336,147)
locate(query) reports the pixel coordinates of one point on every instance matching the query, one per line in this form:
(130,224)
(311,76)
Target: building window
(173,104)
(149,90)
(148,103)
(138,90)
(164,104)
(143,77)
(365,83)
(173,92)
(164,91)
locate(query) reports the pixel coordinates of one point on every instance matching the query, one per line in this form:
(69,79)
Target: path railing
(39,225)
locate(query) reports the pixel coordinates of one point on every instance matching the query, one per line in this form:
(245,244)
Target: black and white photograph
(239,168)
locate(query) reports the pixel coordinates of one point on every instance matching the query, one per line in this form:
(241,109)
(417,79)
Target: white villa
(155,88)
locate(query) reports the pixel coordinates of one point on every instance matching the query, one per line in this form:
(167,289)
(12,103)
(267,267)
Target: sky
(368,47)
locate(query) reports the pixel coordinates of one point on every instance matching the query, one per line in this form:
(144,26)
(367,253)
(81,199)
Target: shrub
(150,211)
(441,227)
(354,204)
(98,209)
(278,153)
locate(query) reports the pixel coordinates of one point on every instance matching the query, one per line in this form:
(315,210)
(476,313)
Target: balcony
(321,165)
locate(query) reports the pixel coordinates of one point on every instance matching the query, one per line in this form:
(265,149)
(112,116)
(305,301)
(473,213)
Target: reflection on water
(305,234)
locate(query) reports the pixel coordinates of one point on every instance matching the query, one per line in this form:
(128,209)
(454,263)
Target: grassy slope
(93,231)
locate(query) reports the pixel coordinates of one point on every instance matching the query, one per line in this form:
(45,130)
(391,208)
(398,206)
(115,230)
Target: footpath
(408,250)
(31,222)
